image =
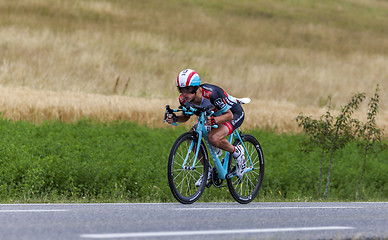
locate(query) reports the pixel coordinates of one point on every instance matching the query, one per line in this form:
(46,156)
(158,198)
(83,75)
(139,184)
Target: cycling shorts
(238,118)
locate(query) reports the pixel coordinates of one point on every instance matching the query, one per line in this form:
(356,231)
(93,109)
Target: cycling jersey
(216,98)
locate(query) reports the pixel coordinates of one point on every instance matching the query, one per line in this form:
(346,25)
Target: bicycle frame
(202,133)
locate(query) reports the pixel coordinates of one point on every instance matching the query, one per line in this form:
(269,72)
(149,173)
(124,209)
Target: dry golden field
(40,105)
(118,59)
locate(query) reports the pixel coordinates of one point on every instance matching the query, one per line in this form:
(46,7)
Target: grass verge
(121,161)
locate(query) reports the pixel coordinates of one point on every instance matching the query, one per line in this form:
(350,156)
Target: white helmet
(188,78)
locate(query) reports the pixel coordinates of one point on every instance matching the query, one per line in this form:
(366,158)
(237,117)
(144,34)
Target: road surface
(196,221)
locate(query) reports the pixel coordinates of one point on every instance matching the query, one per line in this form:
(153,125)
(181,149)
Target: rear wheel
(182,178)
(244,190)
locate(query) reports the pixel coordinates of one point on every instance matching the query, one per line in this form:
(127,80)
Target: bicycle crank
(217,182)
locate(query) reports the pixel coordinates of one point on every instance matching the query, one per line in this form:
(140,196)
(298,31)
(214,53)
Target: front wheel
(182,177)
(244,190)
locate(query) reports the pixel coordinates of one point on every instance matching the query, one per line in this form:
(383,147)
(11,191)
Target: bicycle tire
(181,180)
(244,190)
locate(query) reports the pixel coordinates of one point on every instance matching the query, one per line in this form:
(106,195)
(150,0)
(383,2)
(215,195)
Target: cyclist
(229,114)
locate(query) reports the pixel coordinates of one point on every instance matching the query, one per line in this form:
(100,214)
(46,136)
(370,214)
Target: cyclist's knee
(213,139)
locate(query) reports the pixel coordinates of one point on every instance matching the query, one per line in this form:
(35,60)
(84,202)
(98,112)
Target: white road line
(210,232)
(261,208)
(32,210)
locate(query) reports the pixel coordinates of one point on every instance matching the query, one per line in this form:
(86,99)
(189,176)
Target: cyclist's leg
(217,138)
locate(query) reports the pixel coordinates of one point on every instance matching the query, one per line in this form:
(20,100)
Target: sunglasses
(187,89)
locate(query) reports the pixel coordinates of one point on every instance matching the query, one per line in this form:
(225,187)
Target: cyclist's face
(188,93)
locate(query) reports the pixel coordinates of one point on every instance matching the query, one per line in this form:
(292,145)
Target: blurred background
(119,59)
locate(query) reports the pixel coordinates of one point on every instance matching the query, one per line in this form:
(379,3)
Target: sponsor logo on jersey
(219,103)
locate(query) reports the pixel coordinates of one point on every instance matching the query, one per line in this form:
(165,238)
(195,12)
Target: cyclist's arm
(225,117)
(183,118)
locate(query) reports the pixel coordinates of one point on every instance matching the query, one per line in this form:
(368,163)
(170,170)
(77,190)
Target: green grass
(87,161)
(119,161)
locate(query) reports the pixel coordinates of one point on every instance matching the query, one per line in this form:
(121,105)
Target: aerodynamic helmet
(188,78)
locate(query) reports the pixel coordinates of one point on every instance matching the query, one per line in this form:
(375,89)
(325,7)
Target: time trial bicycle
(189,161)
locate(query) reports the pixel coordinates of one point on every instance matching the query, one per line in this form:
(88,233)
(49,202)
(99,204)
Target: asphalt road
(196,221)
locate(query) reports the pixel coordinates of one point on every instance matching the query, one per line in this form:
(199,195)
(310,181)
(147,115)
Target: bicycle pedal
(231,173)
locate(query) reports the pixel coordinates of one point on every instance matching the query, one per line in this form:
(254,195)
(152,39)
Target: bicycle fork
(190,150)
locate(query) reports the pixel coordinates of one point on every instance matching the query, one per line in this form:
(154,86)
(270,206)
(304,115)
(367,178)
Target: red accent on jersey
(225,93)
(206,94)
(181,99)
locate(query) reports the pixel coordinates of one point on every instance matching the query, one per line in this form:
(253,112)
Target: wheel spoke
(183,175)
(245,189)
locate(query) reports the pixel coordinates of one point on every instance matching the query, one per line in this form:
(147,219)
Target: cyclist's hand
(211,121)
(170,119)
